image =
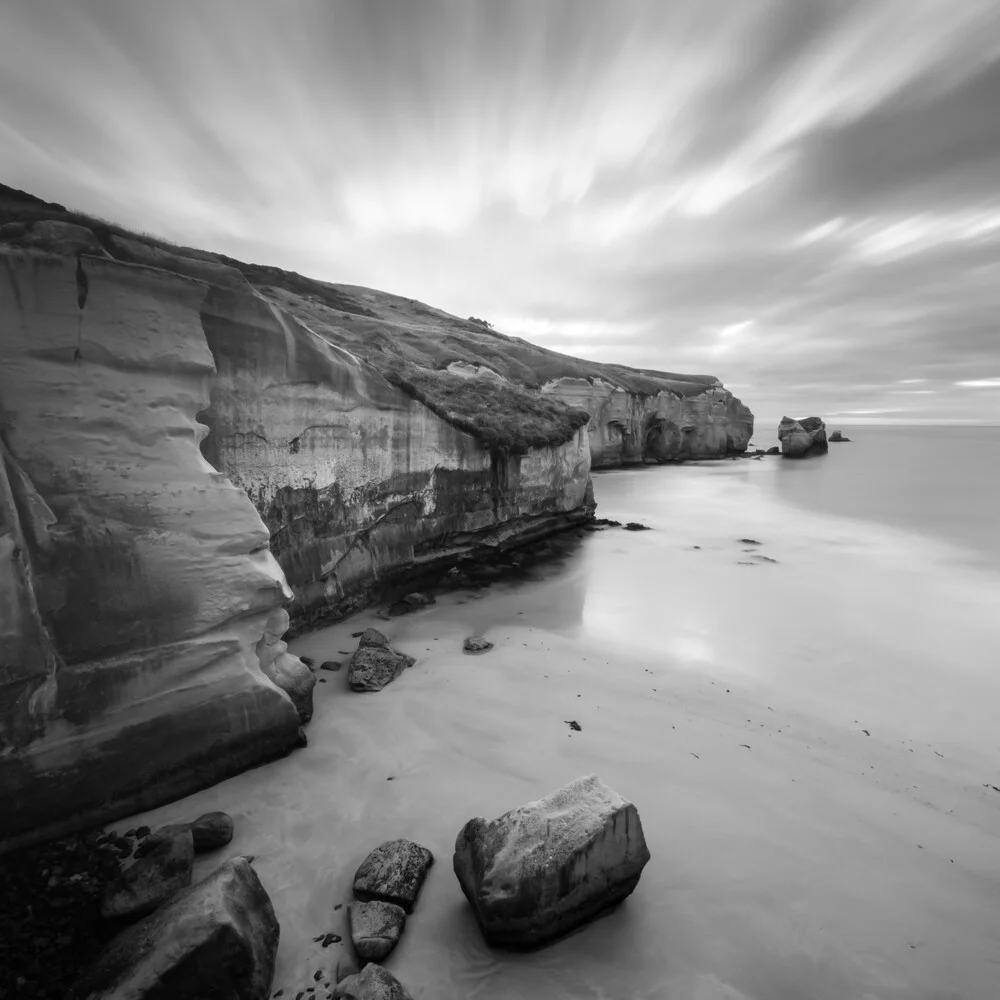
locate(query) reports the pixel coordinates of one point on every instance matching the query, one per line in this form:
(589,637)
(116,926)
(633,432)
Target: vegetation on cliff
(411,344)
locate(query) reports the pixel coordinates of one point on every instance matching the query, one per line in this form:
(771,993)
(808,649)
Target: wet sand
(794,857)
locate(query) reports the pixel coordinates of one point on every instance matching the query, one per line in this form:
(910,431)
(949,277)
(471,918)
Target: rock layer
(681,419)
(544,869)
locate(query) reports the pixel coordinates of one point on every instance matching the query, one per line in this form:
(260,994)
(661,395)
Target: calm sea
(943,482)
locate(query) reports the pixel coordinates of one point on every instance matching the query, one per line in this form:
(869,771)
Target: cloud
(787,193)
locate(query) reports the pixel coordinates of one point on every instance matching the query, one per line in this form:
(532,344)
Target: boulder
(838,437)
(544,869)
(288,672)
(371,983)
(215,939)
(801,438)
(394,873)
(214,829)
(164,868)
(373,666)
(774,450)
(477,644)
(375,928)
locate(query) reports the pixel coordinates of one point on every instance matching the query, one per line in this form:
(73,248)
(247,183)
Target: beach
(800,705)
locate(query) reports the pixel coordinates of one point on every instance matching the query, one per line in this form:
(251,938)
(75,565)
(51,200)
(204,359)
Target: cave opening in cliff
(661,441)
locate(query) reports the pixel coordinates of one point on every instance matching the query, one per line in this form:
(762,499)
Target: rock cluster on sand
(216,938)
(801,438)
(544,869)
(375,663)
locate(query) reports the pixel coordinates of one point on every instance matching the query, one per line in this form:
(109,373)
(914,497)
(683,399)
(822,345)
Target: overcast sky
(799,196)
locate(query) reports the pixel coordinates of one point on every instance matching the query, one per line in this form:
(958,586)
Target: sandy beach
(795,856)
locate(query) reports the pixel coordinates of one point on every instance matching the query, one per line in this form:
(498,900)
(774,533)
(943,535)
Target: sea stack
(802,438)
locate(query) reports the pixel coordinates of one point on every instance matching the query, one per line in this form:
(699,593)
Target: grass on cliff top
(412,344)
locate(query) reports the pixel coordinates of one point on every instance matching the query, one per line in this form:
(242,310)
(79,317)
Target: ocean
(794,675)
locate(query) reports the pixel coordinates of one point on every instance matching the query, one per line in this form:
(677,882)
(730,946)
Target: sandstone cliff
(188,442)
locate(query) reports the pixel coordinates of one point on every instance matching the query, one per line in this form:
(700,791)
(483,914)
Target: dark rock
(214,829)
(371,983)
(838,437)
(635,526)
(394,873)
(375,928)
(373,637)
(774,450)
(574,725)
(476,644)
(331,665)
(143,832)
(215,939)
(164,869)
(356,635)
(411,602)
(372,667)
(749,541)
(308,661)
(802,438)
(606,522)
(542,870)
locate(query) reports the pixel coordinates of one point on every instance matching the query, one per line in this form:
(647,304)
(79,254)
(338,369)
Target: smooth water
(808,727)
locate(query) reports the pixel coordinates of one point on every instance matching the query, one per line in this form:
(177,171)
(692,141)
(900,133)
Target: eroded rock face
(135,580)
(375,928)
(543,869)
(394,872)
(217,938)
(287,671)
(689,417)
(802,438)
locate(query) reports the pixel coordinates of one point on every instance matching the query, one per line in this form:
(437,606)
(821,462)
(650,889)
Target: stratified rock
(411,602)
(375,928)
(838,437)
(372,667)
(371,983)
(476,644)
(164,868)
(288,672)
(543,869)
(393,872)
(216,939)
(213,830)
(801,438)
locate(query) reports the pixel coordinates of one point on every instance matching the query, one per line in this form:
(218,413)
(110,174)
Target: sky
(801,197)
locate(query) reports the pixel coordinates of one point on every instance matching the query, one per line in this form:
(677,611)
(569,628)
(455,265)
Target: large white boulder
(544,869)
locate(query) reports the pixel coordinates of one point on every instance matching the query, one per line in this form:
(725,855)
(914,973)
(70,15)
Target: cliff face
(145,415)
(135,579)
(682,420)
(358,482)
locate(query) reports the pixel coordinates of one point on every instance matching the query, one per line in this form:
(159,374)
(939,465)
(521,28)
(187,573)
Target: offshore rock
(548,867)
(802,438)
(215,939)
(838,437)
(393,872)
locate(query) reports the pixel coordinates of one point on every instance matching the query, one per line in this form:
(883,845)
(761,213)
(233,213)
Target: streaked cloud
(786,193)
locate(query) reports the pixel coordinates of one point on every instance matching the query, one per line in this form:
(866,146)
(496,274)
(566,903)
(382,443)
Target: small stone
(332,665)
(476,644)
